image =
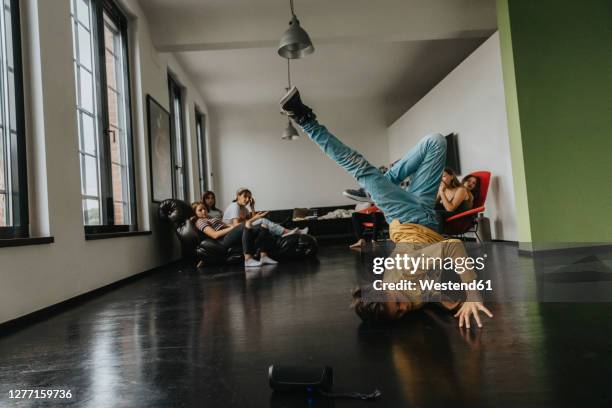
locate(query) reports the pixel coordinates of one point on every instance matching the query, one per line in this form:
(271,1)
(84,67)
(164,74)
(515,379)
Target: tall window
(201,136)
(103,108)
(178,137)
(13,187)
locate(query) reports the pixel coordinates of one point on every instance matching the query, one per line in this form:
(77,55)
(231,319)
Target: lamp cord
(288,74)
(291,4)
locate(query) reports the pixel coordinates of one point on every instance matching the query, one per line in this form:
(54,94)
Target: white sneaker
(291,232)
(266,260)
(252,263)
(304,231)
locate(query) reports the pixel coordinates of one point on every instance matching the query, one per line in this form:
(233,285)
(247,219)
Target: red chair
(369,226)
(467,221)
(371,209)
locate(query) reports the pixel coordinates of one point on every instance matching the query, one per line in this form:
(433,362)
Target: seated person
(358,218)
(472,184)
(242,208)
(453,198)
(410,213)
(210,201)
(243,235)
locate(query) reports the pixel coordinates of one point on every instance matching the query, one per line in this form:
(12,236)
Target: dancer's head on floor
(370,310)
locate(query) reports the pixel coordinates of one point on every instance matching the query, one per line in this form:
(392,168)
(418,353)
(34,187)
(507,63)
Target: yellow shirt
(418,234)
(413,233)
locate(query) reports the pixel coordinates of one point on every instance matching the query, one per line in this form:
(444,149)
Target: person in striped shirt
(244,235)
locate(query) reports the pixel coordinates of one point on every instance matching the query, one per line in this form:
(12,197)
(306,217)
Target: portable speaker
(310,381)
(307,379)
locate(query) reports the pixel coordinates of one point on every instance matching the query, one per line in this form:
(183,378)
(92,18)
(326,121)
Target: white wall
(282,174)
(470,102)
(34,277)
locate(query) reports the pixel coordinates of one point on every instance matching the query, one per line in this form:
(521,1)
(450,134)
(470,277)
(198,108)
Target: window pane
(10,135)
(119,212)
(178,132)
(113,108)
(9,37)
(178,139)
(87,121)
(89,134)
(86,99)
(83,12)
(201,143)
(116,97)
(84,42)
(4,222)
(91,212)
(2,163)
(110,33)
(91,176)
(176,110)
(3,211)
(118,194)
(117,191)
(12,104)
(111,79)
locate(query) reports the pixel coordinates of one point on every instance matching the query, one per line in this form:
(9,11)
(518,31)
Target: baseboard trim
(567,250)
(501,241)
(19,323)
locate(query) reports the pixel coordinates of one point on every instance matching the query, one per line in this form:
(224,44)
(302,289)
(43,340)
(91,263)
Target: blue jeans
(424,162)
(274,228)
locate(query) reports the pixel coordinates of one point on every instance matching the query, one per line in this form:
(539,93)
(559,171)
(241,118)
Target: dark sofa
(195,244)
(332,231)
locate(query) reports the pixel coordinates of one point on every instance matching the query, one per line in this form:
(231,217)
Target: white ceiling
(389,52)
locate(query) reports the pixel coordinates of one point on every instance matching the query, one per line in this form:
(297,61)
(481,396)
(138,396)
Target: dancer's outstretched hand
(469,309)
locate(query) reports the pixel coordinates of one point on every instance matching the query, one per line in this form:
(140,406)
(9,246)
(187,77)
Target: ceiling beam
(273,43)
(186,25)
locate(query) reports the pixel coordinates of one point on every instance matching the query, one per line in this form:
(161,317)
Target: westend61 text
(429,285)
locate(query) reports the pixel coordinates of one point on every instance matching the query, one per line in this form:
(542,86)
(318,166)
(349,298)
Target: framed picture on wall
(160,151)
(452,153)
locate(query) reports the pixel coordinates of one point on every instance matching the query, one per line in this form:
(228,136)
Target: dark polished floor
(182,338)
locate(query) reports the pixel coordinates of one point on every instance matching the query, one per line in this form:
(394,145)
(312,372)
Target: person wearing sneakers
(243,207)
(410,213)
(244,235)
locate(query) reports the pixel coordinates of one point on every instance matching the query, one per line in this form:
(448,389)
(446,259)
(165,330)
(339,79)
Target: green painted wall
(514,130)
(561,120)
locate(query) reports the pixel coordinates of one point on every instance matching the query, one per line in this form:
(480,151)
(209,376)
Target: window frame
(175,92)
(98,9)
(200,122)
(20,227)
